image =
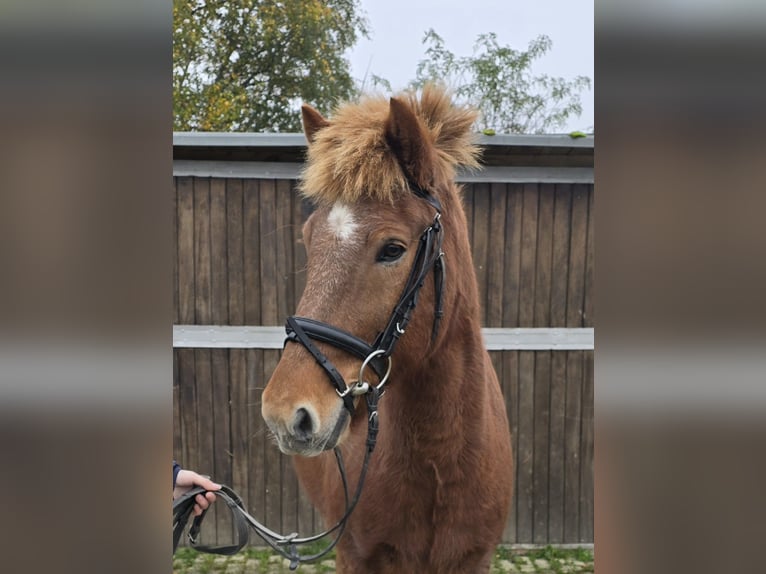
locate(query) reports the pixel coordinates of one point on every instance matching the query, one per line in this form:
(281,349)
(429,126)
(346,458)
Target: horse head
(378,173)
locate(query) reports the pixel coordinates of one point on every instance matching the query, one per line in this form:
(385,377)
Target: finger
(210,496)
(201,501)
(197,510)
(206,483)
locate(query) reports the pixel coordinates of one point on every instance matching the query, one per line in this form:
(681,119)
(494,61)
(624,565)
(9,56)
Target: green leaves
(246,65)
(498,80)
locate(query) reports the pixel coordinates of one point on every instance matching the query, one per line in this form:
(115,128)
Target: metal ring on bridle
(370,357)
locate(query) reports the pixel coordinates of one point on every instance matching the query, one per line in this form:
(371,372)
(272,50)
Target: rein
(286,546)
(302,330)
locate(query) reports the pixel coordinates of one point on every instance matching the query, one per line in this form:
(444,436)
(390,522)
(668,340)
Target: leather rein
(377,356)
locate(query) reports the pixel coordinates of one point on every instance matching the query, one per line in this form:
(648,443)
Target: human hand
(186,480)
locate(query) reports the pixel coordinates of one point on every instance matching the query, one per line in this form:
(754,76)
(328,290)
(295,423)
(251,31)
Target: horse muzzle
(304,433)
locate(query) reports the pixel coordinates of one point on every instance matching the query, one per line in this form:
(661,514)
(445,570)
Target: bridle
(377,356)
(429,255)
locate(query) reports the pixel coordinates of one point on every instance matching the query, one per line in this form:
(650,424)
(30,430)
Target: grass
(260,561)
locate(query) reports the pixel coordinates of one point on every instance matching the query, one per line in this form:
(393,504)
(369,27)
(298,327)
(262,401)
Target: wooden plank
(589,261)
(528,256)
(525,457)
(222,445)
(187,404)
(542,396)
(268,270)
(467,196)
(185,250)
(560,259)
(496,257)
(174,248)
(556,449)
(284,252)
(557,441)
(579,228)
(202,315)
(272,458)
(542,303)
(240,433)
(488,174)
(572,427)
(479,243)
(205,417)
(219,314)
(202,270)
(177,436)
(509,381)
(252,252)
(586,451)
(256,434)
(299,249)
(234,252)
(512,270)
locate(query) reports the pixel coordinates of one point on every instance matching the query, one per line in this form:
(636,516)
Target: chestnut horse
(438,487)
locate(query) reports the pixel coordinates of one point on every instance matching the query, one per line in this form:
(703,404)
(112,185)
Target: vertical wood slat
(284,251)
(579,225)
(512,270)
(252,252)
(510,385)
(527,292)
(525,454)
(586,451)
(572,447)
(219,358)
(239,438)
(542,383)
(299,251)
(174,247)
(496,224)
(202,315)
(589,253)
(256,457)
(234,252)
(542,392)
(185,252)
(559,273)
(480,243)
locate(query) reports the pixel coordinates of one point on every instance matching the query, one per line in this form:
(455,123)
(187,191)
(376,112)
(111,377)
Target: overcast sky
(397,28)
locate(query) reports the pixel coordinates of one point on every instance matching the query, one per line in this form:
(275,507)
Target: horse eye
(390,252)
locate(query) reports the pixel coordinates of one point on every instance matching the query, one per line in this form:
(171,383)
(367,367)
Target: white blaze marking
(341,221)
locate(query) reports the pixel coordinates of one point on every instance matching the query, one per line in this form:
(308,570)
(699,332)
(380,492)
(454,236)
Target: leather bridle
(429,256)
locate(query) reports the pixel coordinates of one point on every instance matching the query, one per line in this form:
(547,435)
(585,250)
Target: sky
(397,28)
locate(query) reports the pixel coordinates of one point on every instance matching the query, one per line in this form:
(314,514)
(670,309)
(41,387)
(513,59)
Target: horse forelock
(350,158)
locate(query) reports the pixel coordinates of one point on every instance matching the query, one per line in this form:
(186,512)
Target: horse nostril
(303,426)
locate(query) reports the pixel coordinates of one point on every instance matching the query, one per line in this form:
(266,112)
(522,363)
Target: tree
(498,81)
(244,65)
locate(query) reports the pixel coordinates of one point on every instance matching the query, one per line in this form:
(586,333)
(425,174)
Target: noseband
(377,355)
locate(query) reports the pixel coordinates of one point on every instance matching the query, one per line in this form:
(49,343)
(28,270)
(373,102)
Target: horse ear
(312,122)
(409,142)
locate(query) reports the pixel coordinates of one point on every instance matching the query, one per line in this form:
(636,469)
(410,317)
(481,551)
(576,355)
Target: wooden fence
(238,261)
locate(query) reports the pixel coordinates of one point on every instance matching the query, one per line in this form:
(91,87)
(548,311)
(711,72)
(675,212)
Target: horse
(438,488)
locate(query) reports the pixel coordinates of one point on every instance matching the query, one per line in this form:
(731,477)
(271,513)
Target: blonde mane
(350,159)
